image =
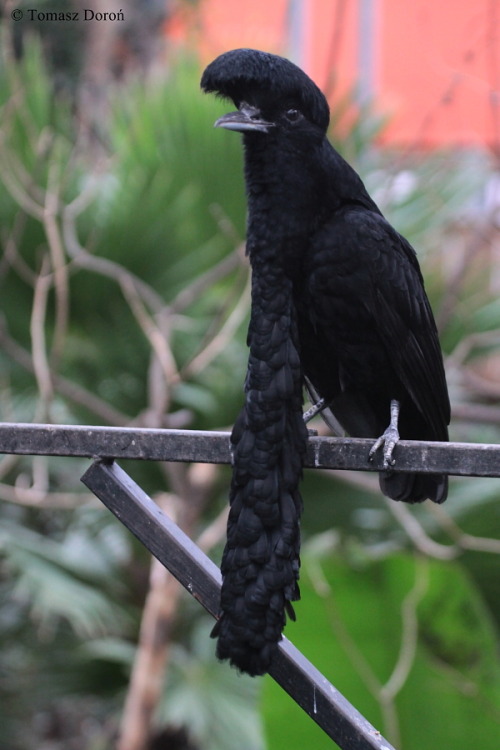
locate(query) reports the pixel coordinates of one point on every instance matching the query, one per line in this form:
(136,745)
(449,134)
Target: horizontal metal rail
(201,577)
(461,459)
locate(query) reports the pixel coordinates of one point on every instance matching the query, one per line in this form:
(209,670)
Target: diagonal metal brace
(201,577)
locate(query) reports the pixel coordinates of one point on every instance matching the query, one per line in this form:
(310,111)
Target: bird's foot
(388,439)
(315,409)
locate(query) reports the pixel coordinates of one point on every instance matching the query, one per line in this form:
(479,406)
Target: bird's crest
(235,73)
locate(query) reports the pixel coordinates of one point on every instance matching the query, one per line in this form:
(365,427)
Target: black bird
(338,304)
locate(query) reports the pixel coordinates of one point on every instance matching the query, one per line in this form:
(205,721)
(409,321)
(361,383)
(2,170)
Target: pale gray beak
(246,119)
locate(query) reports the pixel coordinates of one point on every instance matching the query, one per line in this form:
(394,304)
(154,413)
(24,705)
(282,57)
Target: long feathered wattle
(260,564)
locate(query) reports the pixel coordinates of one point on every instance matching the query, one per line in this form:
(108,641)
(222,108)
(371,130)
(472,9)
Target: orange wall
(221,25)
(436,65)
(439,65)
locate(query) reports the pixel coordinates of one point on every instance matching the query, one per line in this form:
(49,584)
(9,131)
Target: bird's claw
(388,440)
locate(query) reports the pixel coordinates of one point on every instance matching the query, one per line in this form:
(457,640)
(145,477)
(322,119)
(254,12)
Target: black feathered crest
(235,73)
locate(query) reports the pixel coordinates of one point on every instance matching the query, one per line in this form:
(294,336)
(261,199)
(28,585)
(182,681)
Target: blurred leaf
(57,584)
(219,706)
(352,632)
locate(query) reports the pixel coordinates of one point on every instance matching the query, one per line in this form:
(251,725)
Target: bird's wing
(384,278)
(407,327)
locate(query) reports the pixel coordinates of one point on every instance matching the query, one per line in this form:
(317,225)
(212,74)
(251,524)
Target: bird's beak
(246,119)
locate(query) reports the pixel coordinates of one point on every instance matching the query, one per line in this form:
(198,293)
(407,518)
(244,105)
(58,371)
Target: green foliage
(152,210)
(409,641)
(60,589)
(70,578)
(209,698)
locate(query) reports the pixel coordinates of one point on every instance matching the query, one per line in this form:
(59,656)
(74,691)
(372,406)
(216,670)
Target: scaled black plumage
(338,304)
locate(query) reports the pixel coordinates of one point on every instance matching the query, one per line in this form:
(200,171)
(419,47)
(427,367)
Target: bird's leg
(315,409)
(389,438)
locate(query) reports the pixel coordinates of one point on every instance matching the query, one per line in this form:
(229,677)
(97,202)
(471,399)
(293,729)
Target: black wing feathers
(407,328)
(367,309)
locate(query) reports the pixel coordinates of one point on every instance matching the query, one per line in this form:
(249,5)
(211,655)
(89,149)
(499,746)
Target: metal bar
(460,459)
(198,574)
(114,442)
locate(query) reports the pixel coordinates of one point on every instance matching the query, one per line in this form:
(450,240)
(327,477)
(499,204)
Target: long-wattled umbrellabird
(338,304)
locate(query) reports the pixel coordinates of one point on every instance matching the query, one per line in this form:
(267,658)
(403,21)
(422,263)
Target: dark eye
(292,115)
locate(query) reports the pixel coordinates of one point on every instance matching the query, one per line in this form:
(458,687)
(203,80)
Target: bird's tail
(260,564)
(414,488)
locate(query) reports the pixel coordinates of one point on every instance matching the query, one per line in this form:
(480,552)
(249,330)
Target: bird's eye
(292,115)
